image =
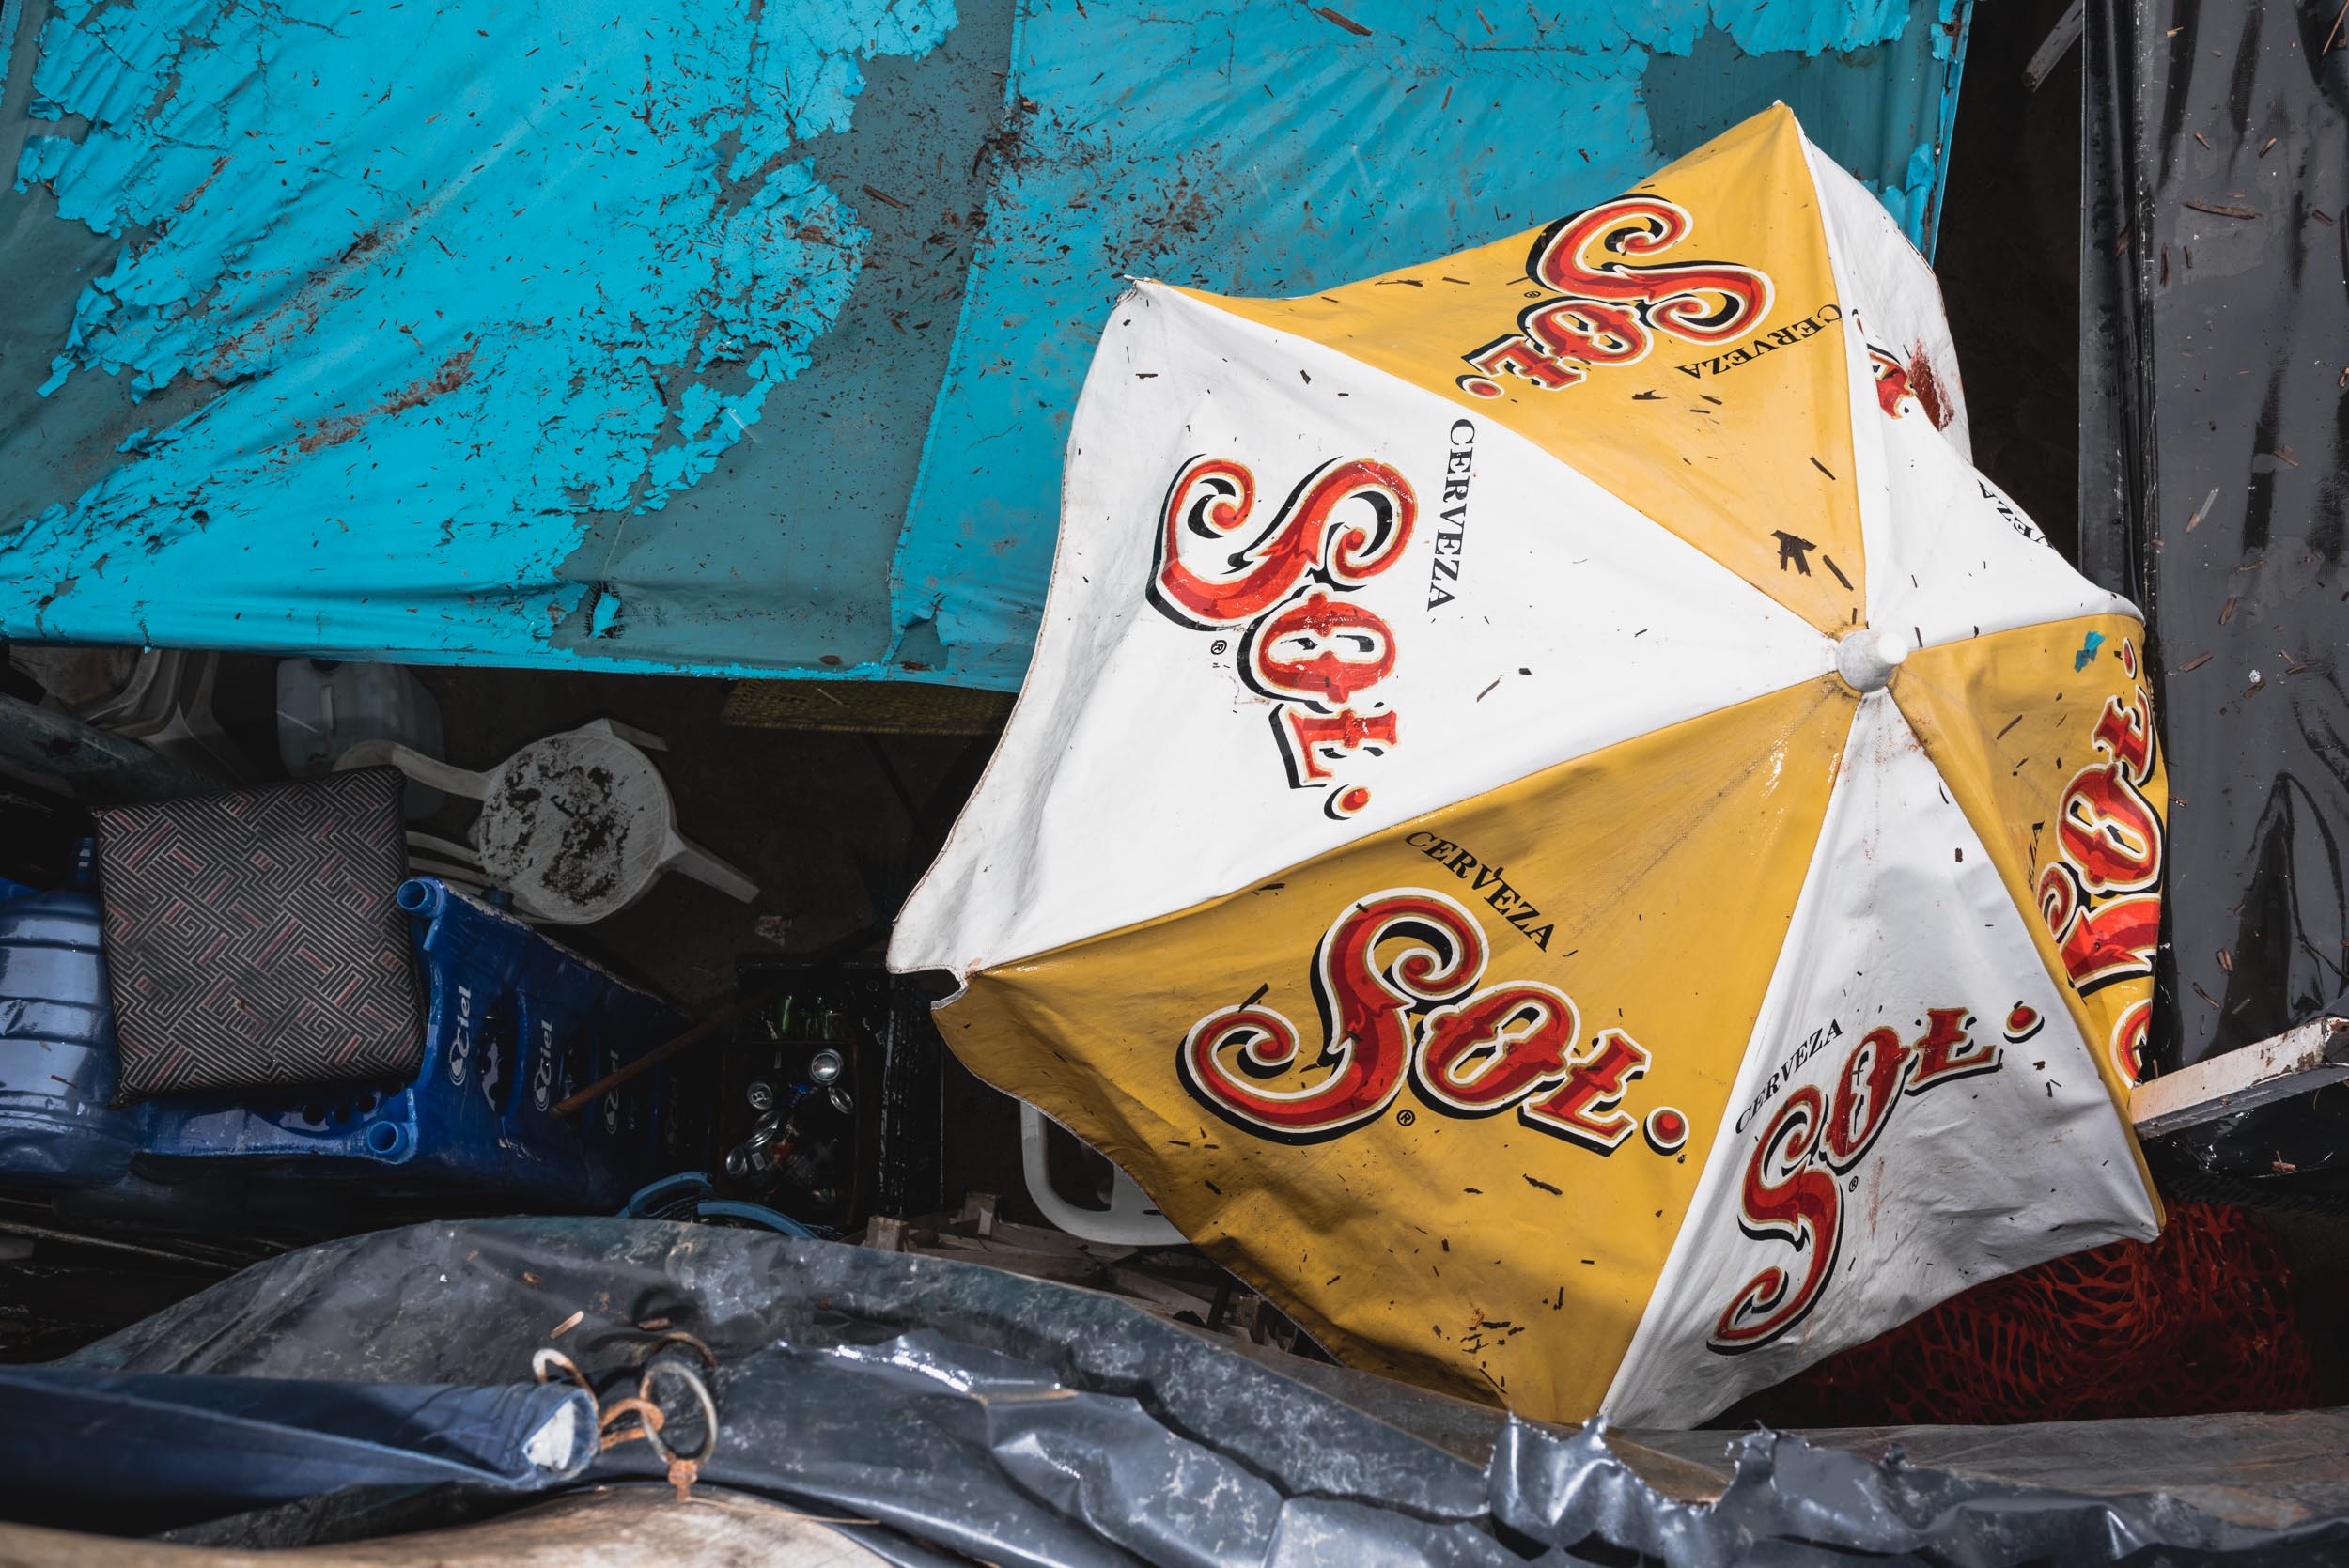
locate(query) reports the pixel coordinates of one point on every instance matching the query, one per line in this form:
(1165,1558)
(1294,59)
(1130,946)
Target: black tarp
(979,1413)
(2214,444)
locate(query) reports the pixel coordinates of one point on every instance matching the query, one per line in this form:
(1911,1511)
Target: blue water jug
(57,1126)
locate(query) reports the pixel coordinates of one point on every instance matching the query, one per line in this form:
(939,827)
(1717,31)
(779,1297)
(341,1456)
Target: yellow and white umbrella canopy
(1556,825)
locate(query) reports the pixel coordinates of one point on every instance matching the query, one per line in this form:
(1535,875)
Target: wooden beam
(2296,1061)
(2068,28)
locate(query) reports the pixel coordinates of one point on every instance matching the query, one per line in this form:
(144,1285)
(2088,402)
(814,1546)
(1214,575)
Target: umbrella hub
(1866,658)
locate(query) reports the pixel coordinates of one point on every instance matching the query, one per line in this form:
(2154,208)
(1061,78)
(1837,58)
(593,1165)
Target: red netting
(2197,1321)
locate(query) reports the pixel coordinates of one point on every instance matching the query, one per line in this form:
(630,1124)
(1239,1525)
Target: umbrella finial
(1867,658)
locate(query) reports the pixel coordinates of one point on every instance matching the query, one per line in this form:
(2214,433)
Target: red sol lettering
(1792,1189)
(2101,897)
(1392,1012)
(1605,309)
(1306,645)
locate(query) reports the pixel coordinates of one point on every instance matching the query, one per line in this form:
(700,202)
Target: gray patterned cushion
(253,939)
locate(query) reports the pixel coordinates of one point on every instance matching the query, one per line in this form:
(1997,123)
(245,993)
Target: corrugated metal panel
(737,341)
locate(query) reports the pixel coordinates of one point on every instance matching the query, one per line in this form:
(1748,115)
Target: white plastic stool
(1130,1220)
(576,827)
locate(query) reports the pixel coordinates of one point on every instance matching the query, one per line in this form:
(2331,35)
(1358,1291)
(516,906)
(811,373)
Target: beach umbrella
(1557,826)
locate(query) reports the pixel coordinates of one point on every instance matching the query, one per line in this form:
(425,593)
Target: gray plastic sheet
(980,1414)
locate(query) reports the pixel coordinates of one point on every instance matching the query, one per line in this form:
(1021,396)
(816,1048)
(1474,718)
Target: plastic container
(324,709)
(57,1129)
(513,1024)
(166,703)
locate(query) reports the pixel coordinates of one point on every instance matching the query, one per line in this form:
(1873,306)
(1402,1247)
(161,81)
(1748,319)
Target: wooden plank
(2293,1063)
(2060,42)
(866,708)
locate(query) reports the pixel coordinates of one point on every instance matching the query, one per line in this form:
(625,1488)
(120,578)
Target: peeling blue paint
(1952,21)
(1774,27)
(712,339)
(603,614)
(1949,42)
(459,272)
(1882,110)
(1431,133)
(1911,200)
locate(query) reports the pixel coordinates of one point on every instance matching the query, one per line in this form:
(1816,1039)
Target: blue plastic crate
(57,1129)
(513,1024)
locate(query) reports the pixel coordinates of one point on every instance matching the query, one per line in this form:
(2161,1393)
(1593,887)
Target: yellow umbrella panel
(1556,825)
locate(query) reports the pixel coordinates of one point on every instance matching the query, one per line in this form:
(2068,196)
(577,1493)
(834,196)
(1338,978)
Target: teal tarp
(737,339)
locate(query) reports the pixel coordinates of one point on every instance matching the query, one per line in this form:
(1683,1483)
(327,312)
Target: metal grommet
(700,1391)
(679,1336)
(546,1358)
(649,1420)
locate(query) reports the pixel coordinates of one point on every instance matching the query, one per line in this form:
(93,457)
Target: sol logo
(1389,1013)
(1608,311)
(1307,647)
(1790,1191)
(1892,378)
(2101,896)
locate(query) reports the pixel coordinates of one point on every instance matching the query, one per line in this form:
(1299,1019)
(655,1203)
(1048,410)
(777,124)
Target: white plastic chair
(576,826)
(1130,1220)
